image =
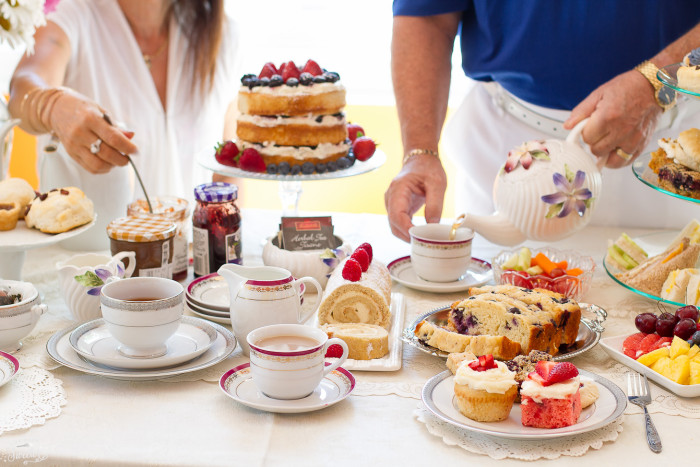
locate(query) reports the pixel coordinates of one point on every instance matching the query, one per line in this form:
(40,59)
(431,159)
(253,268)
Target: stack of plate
(208,297)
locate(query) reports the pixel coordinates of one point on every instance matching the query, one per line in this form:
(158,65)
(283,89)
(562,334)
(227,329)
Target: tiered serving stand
(640,167)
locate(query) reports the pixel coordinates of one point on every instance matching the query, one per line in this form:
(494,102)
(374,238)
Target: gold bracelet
(418,152)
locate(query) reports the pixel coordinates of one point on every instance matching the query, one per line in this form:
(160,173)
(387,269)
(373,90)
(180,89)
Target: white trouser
(481,132)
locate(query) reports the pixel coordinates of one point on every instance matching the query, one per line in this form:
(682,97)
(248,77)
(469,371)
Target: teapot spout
(495,228)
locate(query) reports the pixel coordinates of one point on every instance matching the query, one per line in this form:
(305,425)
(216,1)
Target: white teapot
(545,191)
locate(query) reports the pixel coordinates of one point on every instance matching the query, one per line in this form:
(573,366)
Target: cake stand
(15,243)
(667,75)
(290,185)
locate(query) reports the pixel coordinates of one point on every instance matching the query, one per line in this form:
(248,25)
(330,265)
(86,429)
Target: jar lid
(170,207)
(141,229)
(216,192)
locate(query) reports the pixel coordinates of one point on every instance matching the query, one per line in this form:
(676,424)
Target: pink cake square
(551,413)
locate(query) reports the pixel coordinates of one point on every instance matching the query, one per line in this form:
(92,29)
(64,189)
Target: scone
(60,210)
(485,389)
(365,341)
(589,391)
(9,215)
(17,190)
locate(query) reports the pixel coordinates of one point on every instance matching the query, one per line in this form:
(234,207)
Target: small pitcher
(264,295)
(81,278)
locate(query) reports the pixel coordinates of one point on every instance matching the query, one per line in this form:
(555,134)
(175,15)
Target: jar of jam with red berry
(216,227)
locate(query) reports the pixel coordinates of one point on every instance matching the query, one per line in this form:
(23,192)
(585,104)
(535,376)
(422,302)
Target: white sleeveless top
(106,65)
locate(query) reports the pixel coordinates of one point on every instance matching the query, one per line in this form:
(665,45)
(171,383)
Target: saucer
(210,291)
(93,341)
(206,314)
(9,366)
(207,311)
(59,349)
(402,271)
(238,384)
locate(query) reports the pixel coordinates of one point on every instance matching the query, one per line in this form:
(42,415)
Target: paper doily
(29,399)
(501,448)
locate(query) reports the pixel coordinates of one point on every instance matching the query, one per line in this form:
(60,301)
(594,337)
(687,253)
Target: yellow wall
(362,193)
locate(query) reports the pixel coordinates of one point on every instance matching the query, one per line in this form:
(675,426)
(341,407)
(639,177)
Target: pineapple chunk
(680,369)
(694,373)
(678,347)
(694,350)
(650,358)
(696,358)
(662,366)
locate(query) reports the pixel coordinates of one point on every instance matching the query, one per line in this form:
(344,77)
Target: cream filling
(496,380)
(357,313)
(538,392)
(297,152)
(268,122)
(313,89)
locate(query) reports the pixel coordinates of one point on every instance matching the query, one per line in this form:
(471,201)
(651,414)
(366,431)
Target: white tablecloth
(189,421)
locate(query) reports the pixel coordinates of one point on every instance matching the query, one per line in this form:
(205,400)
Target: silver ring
(623,154)
(95,147)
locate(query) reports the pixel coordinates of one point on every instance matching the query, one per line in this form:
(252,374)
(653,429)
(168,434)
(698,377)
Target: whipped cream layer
(312,89)
(297,152)
(561,390)
(310,120)
(496,380)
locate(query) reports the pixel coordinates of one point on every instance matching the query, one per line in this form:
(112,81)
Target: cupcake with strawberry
(485,389)
(550,396)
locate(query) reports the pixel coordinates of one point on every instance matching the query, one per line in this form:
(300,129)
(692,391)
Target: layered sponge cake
(294,115)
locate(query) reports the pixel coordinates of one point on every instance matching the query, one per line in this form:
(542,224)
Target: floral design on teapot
(526,154)
(572,196)
(95,280)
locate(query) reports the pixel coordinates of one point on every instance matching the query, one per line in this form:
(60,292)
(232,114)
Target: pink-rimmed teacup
(287,361)
(437,258)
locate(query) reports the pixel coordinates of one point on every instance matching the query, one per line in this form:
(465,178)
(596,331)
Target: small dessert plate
(211,292)
(439,397)
(401,270)
(206,314)
(238,384)
(208,311)
(94,342)
(9,366)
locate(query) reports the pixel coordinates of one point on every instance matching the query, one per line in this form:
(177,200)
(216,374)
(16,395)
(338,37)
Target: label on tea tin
(307,233)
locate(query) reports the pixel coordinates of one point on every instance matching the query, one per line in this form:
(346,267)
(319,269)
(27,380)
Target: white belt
(550,126)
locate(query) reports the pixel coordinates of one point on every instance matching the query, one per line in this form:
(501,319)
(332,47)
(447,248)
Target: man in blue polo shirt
(541,66)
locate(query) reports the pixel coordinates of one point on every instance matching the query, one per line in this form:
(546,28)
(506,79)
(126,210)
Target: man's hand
(623,115)
(421,181)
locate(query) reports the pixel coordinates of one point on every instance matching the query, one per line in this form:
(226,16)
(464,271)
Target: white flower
(18,21)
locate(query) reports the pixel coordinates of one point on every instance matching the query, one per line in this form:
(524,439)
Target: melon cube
(651,358)
(679,347)
(680,369)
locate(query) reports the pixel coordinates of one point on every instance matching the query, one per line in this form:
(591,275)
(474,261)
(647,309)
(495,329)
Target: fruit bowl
(574,287)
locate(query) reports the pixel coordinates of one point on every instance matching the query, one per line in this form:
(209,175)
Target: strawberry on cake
(550,396)
(485,389)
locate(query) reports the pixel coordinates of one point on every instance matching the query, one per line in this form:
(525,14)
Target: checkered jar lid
(141,229)
(216,192)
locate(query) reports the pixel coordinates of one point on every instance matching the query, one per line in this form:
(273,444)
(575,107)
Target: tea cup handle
(575,138)
(40,309)
(132,261)
(342,358)
(319,295)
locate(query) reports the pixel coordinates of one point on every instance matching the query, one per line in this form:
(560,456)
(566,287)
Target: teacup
(142,313)
(18,319)
(437,258)
(287,361)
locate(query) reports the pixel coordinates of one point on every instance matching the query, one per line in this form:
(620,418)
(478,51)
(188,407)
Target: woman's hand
(623,115)
(88,136)
(421,181)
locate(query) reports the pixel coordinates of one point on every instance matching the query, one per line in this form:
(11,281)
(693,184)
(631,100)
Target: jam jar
(216,227)
(150,237)
(176,210)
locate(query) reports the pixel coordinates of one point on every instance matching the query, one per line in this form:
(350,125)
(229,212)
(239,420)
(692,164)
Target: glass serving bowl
(574,287)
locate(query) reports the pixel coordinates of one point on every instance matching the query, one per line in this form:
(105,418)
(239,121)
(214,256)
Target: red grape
(646,322)
(688,311)
(685,328)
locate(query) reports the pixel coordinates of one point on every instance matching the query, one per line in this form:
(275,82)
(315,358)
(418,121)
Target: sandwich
(625,254)
(675,287)
(692,293)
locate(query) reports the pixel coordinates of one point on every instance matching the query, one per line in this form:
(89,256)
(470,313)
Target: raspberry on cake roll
(550,396)
(357,293)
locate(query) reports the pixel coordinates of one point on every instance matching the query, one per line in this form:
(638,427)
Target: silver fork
(638,394)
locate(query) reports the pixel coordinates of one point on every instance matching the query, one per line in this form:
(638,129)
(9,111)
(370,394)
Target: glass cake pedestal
(290,185)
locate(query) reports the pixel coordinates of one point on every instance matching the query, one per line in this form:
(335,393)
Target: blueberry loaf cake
(441,338)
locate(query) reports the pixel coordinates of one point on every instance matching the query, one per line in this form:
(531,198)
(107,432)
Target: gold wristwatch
(664,95)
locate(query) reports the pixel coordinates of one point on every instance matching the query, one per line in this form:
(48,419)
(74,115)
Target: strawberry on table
(363,148)
(355,131)
(226,153)
(251,161)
